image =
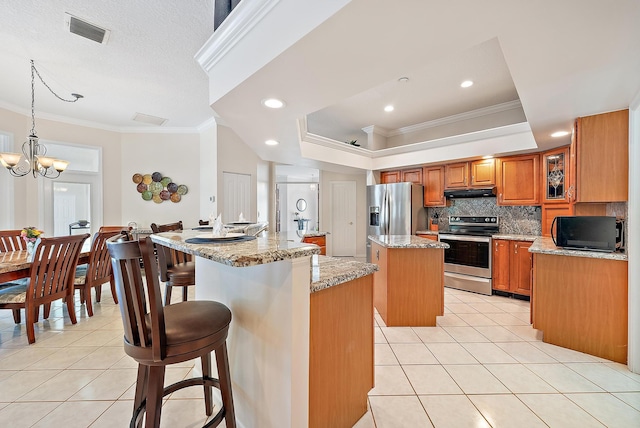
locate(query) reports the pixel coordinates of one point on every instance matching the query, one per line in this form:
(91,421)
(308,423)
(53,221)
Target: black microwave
(594,233)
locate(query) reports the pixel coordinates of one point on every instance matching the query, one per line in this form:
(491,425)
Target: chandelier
(32,159)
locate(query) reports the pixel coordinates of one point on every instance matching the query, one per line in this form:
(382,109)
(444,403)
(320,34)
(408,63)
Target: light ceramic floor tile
(98,338)
(622,368)
(22,382)
(608,409)
(62,386)
(378,337)
(519,379)
(631,398)
(460,308)
(448,298)
(512,307)
(431,379)
(451,353)
(177,413)
(117,415)
(465,334)
(605,377)
(475,379)
(505,411)
(524,352)
(486,308)
(18,415)
(476,319)
(470,298)
(450,320)
(413,353)
(509,319)
(366,421)
(497,333)
(391,380)
(172,375)
(378,320)
(24,358)
(62,338)
(400,335)
(564,355)
(74,414)
(433,334)
(528,333)
(110,385)
(383,355)
(488,353)
(100,358)
(392,412)
(61,358)
(556,410)
(452,411)
(563,378)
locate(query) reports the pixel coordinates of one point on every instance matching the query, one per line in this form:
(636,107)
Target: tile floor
(482,366)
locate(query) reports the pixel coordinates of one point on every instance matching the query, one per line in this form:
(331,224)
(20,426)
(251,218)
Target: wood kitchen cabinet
(456,175)
(432,237)
(390,177)
(479,173)
(518,180)
(602,157)
(320,241)
(551,211)
(412,175)
(512,264)
(433,182)
(556,176)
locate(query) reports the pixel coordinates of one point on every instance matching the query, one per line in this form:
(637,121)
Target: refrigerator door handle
(385,205)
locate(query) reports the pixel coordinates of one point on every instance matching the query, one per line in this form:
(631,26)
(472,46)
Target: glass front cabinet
(556,176)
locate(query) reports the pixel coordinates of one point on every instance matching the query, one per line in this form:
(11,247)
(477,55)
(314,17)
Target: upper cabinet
(602,157)
(390,177)
(556,176)
(412,175)
(433,178)
(479,173)
(518,180)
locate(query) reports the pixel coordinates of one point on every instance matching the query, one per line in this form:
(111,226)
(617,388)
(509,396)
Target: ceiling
(561,60)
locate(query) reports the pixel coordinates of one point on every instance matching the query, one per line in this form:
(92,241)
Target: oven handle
(465,238)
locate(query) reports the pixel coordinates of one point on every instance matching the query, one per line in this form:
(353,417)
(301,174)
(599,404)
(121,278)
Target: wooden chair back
(10,240)
(168,257)
(114,228)
(99,267)
(157,228)
(142,312)
(53,269)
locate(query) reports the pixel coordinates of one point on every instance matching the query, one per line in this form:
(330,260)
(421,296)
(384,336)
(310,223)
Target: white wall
(633,229)
(326,178)
(173,155)
(208,172)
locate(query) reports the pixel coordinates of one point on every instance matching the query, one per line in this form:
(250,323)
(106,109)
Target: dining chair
(97,271)
(51,278)
(10,240)
(156,336)
(114,228)
(176,267)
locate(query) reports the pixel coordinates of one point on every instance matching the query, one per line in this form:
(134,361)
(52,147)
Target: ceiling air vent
(86,29)
(146,118)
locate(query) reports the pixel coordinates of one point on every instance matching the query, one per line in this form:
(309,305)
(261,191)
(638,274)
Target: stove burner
(473,225)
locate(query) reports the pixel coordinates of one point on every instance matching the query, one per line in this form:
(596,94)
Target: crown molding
(240,21)
(374,129)
(485,111)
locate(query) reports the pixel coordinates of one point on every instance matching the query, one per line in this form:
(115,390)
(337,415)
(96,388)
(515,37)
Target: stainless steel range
(467,261)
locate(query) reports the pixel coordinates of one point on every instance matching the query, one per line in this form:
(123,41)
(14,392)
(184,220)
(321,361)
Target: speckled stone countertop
(545,245)
(248,253)
(314,234)
(406,241)
(427,232)
(13,261)
(508,237)
(329,271)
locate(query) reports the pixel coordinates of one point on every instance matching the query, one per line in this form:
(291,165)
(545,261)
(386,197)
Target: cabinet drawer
(318,240)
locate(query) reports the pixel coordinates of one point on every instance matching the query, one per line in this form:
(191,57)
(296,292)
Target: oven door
(468,255)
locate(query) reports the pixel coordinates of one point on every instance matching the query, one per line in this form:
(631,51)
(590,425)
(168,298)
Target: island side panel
(379,257)
(415,286)
(581,304)
(268,341)
(341,369)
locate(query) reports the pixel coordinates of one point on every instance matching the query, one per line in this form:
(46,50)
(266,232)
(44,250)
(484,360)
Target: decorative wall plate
(154,187)
(137,178)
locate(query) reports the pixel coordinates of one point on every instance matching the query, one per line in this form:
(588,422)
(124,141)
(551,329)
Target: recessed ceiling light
(466,84)
(403,79)
(271,143)
(559,134)
(273,103)
(388,108)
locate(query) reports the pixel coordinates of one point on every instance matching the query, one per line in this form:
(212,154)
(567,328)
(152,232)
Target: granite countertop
(511,237)
(545,245)
(329,271)
(314,234)
(427,232)
(406,241)
(12,261)
(248,253)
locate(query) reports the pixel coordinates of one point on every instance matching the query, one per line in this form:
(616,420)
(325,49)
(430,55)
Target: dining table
(14,265)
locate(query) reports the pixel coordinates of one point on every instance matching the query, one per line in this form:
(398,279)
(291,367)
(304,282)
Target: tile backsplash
(515,220)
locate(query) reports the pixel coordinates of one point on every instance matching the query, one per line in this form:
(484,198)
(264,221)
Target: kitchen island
(409,285)
(301,338)
(580,299)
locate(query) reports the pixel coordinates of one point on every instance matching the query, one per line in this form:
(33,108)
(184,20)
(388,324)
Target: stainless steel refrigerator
(394,209)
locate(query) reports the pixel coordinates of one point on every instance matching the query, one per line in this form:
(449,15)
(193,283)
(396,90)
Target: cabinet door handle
(516,249)
(377,254)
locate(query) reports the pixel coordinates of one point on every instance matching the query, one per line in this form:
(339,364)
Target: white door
(343,218)
(237,197)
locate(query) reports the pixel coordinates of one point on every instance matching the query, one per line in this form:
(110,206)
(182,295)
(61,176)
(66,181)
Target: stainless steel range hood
(470,193)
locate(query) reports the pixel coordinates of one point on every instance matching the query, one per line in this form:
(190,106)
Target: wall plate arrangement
(154,187)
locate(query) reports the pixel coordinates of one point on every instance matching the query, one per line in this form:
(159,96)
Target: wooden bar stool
(156,335)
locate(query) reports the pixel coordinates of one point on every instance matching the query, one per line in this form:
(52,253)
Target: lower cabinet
(320,241)
(432,237)
(512,264)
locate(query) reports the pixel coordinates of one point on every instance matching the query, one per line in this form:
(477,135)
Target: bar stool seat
(156,335)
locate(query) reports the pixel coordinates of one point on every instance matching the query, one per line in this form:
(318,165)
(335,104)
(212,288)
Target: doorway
(237,197)
(343,218)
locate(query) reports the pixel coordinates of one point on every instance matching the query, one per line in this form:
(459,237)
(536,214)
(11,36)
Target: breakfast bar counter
(301,339)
